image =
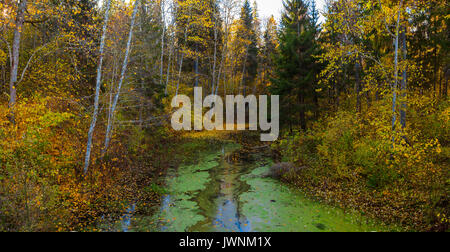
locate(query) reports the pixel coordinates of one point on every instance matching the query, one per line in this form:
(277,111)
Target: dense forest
(86,91)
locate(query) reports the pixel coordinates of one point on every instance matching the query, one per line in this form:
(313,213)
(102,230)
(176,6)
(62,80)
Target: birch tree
(228,9)
(20,19)
(122,77)
(395,86)
(182,51)
(217,27)
(97,89)
(171,45)
(163,34)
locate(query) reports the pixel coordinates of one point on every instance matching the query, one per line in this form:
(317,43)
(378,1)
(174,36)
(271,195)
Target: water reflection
(126,221)
(228,217)
(217,205)
(165,206)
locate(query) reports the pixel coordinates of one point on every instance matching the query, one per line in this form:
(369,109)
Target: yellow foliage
(3,57)
(360,153)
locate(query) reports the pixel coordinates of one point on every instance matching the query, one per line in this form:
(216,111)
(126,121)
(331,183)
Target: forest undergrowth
(351,162)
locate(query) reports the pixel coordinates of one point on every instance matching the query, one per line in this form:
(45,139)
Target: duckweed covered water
(214,195)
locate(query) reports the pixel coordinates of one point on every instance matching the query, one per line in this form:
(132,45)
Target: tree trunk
(358,86)
(440,84)
(196,68)
(435,58)
(302,113)
(215,55)
(242,85)
(179,72)
(20,18)
(163,23)
(122,77)
(403,88)
(182,53)
(394,88)
(447,73)
(166,91)
(97,90)
(224,52)
(336,93)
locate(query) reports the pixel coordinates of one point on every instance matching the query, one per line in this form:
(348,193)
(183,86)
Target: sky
(274,7)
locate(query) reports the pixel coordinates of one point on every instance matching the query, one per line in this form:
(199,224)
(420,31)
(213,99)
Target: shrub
(349,156)
(34,154)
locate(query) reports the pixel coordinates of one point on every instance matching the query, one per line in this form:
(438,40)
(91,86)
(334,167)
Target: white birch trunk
(97,90)
(20,18)
(179,73)
(182,53)
(166,91)
(215,53)
(163,23)
(394,88)
(122,77)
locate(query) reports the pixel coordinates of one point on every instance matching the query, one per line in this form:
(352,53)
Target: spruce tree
(248,33)
(270,43)
(295,66)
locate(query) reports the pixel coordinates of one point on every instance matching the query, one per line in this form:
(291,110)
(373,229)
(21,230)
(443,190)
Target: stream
(215,195)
